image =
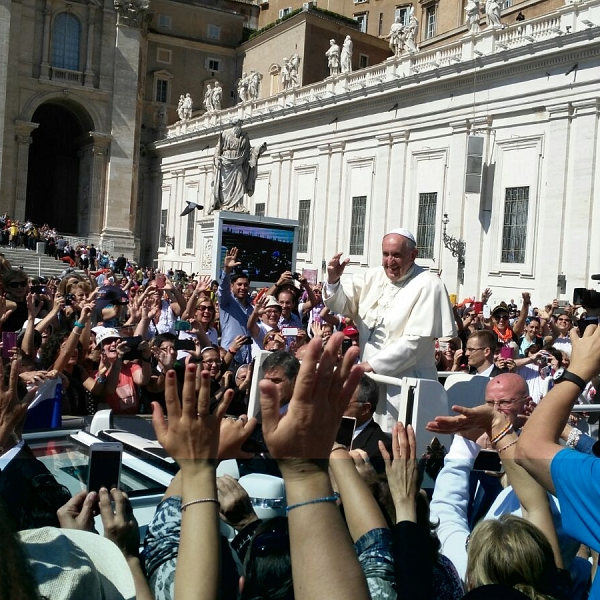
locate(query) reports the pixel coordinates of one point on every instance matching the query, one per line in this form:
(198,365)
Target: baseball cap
(107,333)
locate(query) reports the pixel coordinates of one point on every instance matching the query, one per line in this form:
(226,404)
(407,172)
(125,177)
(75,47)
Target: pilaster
(23,140)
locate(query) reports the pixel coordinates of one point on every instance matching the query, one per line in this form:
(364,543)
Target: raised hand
(485,295)
(236,508)
(203,284)
(321,396)
(471,422)
(335,268)
(585,353)
(32,308)
(11,409)
(231,260)
(233,435)
(526,298)
(192,432)
(402,472)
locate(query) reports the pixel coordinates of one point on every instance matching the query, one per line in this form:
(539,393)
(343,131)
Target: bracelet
(333,498)
(101,379)
(199,501)
(78,324)
(76,331)
(507,446)
(573,438)
(508,429)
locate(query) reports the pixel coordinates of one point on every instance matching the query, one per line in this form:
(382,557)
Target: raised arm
(538,443)
(519,326)
(324,563)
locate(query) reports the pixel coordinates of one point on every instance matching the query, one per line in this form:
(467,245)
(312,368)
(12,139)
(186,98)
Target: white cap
(108,332)
(403,232)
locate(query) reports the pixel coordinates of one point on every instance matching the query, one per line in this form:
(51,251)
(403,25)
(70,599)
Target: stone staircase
(34,264)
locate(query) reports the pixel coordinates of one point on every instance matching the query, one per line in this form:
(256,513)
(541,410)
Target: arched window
(65,42)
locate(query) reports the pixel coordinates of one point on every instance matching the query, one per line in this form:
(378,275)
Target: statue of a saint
(472,15)
(180,112)
(254,85)
(346,56)
(410,32)
(235,169)
(293,68)
(493,12)
(217,96)
(333,58)
(208,105)
(188,105)
(396,37)
(285,75)
(242,88)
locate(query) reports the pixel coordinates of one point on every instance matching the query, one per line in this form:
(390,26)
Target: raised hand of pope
(335,268)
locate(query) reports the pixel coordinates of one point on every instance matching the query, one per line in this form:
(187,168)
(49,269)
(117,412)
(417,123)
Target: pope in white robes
(399,309)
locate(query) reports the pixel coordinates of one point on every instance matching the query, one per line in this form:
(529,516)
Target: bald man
(509,393)
(399,309)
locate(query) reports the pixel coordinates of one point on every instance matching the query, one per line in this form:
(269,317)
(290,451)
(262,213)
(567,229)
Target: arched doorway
(53,173)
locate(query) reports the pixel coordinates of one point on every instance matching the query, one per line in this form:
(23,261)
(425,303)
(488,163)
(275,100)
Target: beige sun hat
(69,564)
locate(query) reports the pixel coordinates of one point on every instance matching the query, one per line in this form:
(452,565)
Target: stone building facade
(84,86)
(390,145)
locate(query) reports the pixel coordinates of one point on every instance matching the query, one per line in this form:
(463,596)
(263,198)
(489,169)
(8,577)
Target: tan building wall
(307,34)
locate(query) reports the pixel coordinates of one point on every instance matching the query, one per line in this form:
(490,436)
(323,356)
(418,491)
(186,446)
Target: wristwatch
(568,376)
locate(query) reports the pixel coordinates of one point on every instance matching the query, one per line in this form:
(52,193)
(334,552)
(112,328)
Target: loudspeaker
(474,164)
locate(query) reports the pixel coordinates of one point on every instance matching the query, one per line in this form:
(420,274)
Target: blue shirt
(576,478)
(233,316)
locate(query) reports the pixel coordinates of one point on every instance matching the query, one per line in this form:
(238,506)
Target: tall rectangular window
(426,224)
(357,225)
(189,233)
(163,228)
(514,228)
(361,19)
(162,91)
(363,61)
(402,12)
(66,33)
(303,225)
(380,25)
(259,209)
(430,21)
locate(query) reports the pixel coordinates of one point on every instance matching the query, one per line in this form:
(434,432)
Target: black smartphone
(104,469)
(583,324)
(133,342)
(346,345)
(346,432)
(248,341)
(488,460)
(187,345)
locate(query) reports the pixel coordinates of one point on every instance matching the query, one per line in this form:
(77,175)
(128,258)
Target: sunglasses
(17,284)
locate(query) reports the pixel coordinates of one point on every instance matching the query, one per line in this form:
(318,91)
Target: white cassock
(397,321)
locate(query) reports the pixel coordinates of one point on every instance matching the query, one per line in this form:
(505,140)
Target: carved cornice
(131,12)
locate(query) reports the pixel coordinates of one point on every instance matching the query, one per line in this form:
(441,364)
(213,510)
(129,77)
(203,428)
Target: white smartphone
(487,312)
(104,469)
(289,331)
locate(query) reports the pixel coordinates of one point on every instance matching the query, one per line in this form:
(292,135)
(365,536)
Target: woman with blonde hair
(512,552)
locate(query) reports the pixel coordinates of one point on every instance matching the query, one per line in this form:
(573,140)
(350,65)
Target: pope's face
(397,256)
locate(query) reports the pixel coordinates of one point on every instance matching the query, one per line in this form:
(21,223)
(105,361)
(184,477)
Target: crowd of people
(358,525)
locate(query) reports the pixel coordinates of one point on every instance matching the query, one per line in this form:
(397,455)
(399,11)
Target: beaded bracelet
(508,429)
(507,446)
(199,501)
(333,498)
(78,324)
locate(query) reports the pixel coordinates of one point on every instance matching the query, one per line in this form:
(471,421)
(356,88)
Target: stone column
(381,189)
(45,66)
(336,241)
(397,178)
(89,73)
(121,196)
(23,139)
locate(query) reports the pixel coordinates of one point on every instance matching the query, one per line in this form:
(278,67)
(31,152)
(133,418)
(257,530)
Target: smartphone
(488,460)
(248,341)
(289,331)
(487,312)
(346,345)
(133,342)
(187,345)
(346,432)
(477,307)
(506,352)
(582,324)
(9,343)
(104,469)
(182,325)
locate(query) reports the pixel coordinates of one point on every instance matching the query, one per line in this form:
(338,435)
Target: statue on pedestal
(333,58)
(472,15)
(396,37)
(285,75)
(235,169)
(217,96)
(187,107)
(208,105)
(293,68)
(493,12)
(346,56)
(180,112)
(242,88)
(254,85)
(410,32)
